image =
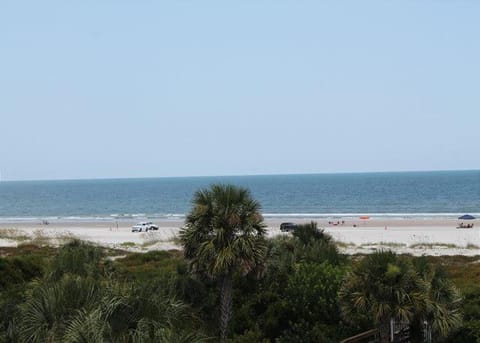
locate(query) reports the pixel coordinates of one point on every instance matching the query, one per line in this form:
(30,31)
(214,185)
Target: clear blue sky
(155,88)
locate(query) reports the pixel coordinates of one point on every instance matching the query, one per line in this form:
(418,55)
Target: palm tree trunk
(225,305)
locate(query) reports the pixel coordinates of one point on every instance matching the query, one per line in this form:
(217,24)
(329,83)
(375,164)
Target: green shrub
(77,258)
(18,270)
(306,233)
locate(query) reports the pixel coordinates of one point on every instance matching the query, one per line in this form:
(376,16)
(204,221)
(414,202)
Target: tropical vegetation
(232,283)
(385,287)
(223,234)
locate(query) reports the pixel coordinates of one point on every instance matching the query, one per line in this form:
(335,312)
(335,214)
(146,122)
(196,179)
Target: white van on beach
(144,227)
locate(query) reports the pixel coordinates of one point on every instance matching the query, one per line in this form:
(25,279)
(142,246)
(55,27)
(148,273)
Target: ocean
(398,194)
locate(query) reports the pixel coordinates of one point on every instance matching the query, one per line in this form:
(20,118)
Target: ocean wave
(426,215)
(146,216)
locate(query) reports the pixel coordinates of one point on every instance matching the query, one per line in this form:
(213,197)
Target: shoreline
(323,222)
(397,218)
(410,236)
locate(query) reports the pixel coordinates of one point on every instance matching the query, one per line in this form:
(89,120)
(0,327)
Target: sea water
(399,194)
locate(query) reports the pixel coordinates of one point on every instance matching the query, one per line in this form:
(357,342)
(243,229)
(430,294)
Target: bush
(18,270)
(307,233)
(311,297)
(77,258)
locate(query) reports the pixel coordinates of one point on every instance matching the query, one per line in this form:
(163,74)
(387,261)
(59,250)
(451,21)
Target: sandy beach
(414,236)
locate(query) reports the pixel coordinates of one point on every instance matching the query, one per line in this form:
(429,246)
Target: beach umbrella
(365,218)
(466,217)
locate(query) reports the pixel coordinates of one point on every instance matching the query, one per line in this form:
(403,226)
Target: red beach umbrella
(365,218)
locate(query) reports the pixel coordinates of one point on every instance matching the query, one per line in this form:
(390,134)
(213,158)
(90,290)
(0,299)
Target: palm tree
(380,288)
(223,234)
(49,306)
(441,310)
(384,286)
(75,302)
(75,310)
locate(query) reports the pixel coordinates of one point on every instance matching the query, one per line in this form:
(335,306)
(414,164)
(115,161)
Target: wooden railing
(370,336)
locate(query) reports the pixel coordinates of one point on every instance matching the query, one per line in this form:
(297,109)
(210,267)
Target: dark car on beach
(288,227)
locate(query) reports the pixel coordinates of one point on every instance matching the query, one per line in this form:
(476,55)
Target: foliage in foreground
(77,295)
(296,300)
(76,301)
(384,286)
(224,234)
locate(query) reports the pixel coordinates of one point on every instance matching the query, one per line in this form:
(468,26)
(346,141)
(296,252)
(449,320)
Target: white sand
(121,237)
(8,243)
(416,240)
(417,237)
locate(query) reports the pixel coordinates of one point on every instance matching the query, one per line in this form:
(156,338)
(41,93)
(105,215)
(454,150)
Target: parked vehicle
(150,225)
(144,227)
(288,227)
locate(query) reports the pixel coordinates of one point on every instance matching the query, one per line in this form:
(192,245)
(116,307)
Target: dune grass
(145,266)
(383,244)
(340,244)
(433,245)
(38,238)
(128,244)
(14,234)
(151,239)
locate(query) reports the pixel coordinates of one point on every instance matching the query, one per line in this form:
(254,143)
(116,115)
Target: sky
(100,89)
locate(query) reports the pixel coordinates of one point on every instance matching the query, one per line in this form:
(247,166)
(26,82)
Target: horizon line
(242,175)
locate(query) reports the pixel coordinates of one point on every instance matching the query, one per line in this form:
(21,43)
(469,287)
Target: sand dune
(414,236)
